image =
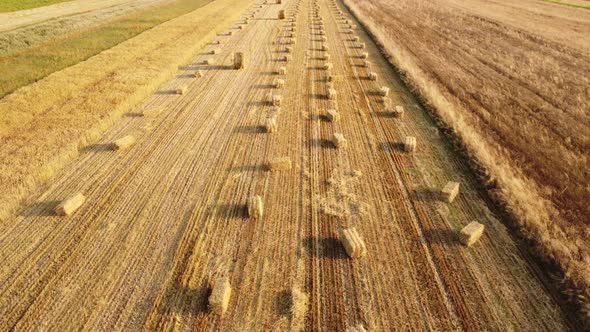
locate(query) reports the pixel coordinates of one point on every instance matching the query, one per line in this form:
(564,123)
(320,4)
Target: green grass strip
(14,5)
(568,4)
(28,66)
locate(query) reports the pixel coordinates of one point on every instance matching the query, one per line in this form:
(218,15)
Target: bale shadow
(249,168)
(41,209)
(445,237)
(258,103)
(166,92)
(230,210)
(427,194)
(134,115)
(185,76)
(389,147)
(319,117)
(183,300)
(283,303)
(319,96)
(268,73)
(253,129)
(96,148)
(322,143)
(383,114)
(264,86)
(325,247)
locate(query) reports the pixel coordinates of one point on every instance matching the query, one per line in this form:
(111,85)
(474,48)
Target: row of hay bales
(469,234)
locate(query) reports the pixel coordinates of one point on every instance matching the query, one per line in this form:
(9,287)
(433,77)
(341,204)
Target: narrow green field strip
(14,5)
(30,65)
(573,5)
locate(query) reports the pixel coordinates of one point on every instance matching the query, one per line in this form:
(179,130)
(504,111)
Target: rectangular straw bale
(276,100)
(328,66)
(289,49)
(373,76)
(410,144)
(216,51)
(209,61)
(353,244)
(384,91)
(271,125)
(398,111)
(123,143)
(356,38)
(279,164)
(339,141)
(331,94)
(180,90)
(333,115)
(450,191)
(325,47)
(287,58)
(471,233)
(70,205)
(362,45)
(255,207)
(327,56)
(282,71)
(279,83)
(364,55)
(367,64)
(239,60)
(220,296)
(282,15)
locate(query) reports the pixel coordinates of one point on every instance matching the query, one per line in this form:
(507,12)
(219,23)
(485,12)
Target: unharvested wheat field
(169,215)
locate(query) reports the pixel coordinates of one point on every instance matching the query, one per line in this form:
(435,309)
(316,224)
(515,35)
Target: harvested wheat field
(512,81)
(246,203)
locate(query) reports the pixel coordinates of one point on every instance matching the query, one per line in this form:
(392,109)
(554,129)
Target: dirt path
(166,214)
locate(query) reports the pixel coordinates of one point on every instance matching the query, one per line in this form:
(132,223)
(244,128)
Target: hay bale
(70,205)
(373,76)
(123,143)
(398,111)
(324,39)
(282,71)
(339,141)
(279,164)
(384,91)
(230,33)
(353,244)
(279,83)
(271,125)
(287,58)
(367,64)
(328,66)
(282,15)
(471,233)
(333,115)
(255,207)
(362,45)
(450,191)
(216,51)
(410,144)
(327,56)
(331,94)
(276,100)
(325,47)
(209,61)
(152,112)
(365,55)
(239,60)
(386,101)
(181,90)
(356,39)
(220,295)
(289,49)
